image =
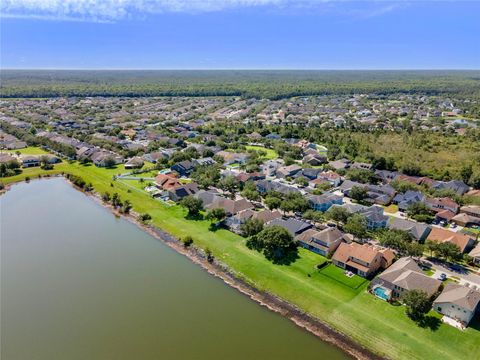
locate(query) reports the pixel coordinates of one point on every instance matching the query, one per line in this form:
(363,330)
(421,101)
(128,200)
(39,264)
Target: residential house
(323,242)
(288,171)
(363,260)
(464,242)
(458,302)
(267,215)
(230,206)
(264,186)
(469,215)
(134,163)
(179,192)
(235,222)
(314,159)
(101,158)
(441,204)
(463,219)
(255,176)
(155,156)
(309,173)
(475,255)
(294,226)
(458,186)
(386,176)
(184,168)
(330,176)
(416,180)
(379,194)
(347,185)
(233,158)
(207,196)
(167,181)
(403,276)
(444,215)
(29,161)
(7,158)
(324,202)
(270,167)
(362,166)
(353,208)
(375,217)
(418,231)
(408,198)
(471,210)
(474,192)
(340,164)
(207,161)
(273,137)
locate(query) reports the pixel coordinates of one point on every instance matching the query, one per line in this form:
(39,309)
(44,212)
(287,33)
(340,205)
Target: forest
(272,84)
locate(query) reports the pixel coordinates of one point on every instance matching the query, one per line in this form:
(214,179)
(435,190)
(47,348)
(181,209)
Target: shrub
(144,217)
(187,241)
(209,255)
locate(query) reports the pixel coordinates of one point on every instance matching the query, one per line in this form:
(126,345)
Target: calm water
(77,283)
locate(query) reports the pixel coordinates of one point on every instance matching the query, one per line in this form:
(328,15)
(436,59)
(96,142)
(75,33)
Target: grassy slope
(379,326)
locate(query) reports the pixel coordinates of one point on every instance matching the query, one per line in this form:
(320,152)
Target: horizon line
(239,69)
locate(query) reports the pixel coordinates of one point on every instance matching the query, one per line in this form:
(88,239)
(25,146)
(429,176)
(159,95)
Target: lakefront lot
(343,304)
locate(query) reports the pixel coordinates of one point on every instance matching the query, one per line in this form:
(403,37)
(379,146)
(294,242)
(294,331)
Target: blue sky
(240,34)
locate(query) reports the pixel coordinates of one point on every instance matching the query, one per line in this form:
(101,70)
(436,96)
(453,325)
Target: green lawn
(338,274)
(392,209)
(374,323)
(271,154)
(428,272)
(31,150)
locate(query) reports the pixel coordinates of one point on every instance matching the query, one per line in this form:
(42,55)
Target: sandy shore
(270,301)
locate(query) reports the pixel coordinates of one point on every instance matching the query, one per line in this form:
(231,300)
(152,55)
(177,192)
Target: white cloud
(113,10)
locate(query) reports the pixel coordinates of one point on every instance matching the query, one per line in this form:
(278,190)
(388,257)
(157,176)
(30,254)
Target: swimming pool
(381,293)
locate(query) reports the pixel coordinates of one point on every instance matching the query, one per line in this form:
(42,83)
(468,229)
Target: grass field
(428,272)
(338,274)
(31,150)
(347,307)
(271,154)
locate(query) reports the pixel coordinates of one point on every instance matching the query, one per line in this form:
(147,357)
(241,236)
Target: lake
(79,283)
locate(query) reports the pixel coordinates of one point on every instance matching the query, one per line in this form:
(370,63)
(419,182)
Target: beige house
(322,242)
(458,302)
(404,275)
(363,260)
(464,242)
(475,254)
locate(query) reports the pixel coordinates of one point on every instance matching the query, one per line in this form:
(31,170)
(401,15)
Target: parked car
(442,277)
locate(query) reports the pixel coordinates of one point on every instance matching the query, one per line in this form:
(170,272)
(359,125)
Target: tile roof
(440,235)
(406,274)
(459,295)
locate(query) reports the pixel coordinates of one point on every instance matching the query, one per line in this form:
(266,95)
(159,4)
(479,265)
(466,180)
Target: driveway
(465,276)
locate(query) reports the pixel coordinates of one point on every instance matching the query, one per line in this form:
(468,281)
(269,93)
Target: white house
(458,302)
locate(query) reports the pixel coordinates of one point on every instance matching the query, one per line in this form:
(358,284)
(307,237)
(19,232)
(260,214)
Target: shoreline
(219,270)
